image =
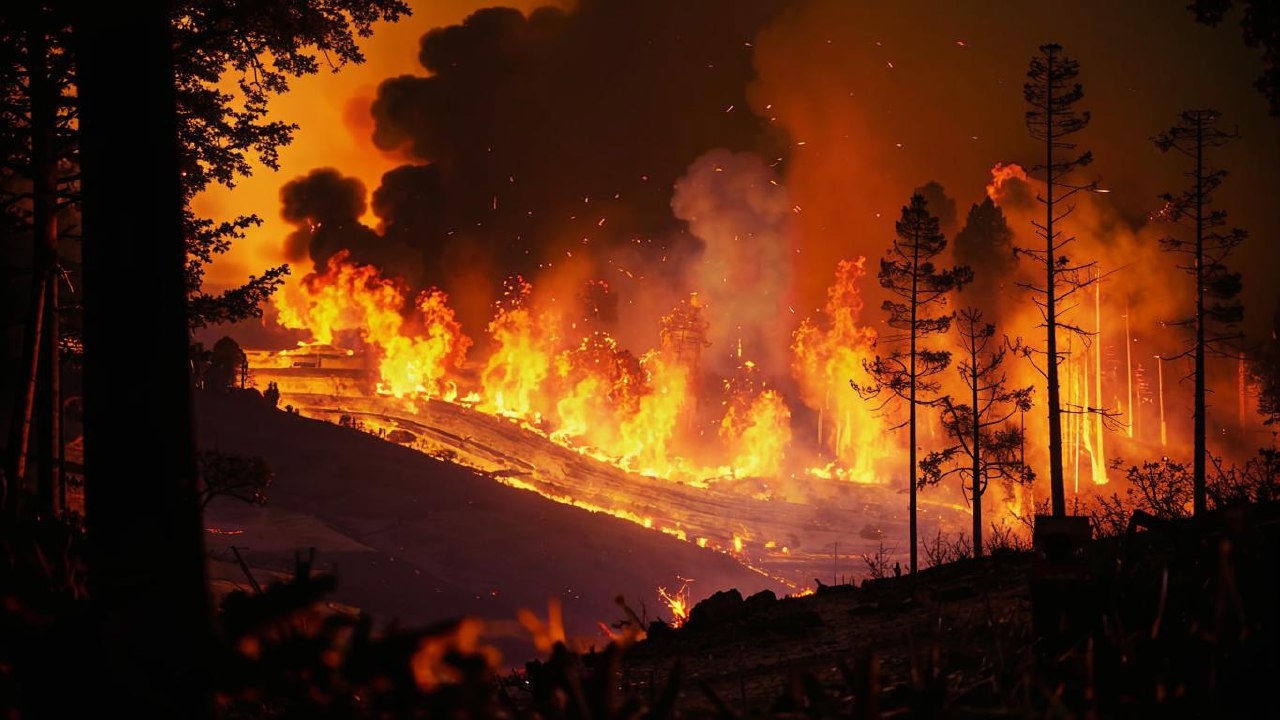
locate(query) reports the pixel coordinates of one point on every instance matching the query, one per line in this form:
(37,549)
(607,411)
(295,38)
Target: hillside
(416,539)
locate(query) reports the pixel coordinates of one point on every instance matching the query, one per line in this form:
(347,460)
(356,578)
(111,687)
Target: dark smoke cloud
(325,207)
(562,131)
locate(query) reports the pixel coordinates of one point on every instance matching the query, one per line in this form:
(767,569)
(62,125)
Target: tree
(266,43)
(243,477)
(1052,93)
(915,287)
(227,364)
(151,619)
(1216,288)
(1260,26)
(37,166)
(985,243)
(987,445)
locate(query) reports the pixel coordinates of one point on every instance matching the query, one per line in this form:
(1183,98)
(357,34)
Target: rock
(759,602)
(723,607)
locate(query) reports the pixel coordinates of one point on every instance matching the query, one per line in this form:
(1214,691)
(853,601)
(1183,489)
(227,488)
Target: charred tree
(987,445)
(1205,252)
(149,602)
(1052,93)
(916,287)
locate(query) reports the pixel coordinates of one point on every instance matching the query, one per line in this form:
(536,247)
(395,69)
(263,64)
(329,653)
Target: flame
(416,355)
(758,436)
(647,435)
(1002,173)
(678,603)
(523,356)
(828,352)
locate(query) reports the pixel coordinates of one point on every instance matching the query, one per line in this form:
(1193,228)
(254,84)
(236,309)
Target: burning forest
(885,322)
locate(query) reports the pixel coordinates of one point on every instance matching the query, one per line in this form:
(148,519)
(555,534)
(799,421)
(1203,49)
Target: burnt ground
(945,628)
(1177,619)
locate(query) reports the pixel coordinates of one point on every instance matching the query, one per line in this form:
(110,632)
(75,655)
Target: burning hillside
(719,442)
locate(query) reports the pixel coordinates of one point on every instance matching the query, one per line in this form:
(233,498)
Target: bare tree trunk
(146,563)
(977,490)
(1057,485)
(1199,501)
(915,276)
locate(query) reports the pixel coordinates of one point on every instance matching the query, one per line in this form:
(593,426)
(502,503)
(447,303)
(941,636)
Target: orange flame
(829,351)
(1001,174)
(415,355)
(678,603)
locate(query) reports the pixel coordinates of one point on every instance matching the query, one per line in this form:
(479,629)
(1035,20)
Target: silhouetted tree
(1261,27)
(1216,288)
(226,365)
(267,44)
(37,166)
(149,612)
(985,243)
(243,477)
(1052,93)
(916,287)
(1264,372)
(987,446)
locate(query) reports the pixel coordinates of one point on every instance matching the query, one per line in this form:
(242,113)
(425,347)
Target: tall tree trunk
(146,561)
(1057,485)
(977,489)
(911,420)
(33,411)
(1199,501)
(44,119)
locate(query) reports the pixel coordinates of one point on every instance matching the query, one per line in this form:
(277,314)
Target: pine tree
(916,287)
(987,445)
(1052,93)
(1217,306)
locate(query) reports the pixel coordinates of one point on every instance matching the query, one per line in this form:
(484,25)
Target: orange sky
(883,98)
(331,110)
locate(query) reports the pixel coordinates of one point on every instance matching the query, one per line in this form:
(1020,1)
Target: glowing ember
(677,602)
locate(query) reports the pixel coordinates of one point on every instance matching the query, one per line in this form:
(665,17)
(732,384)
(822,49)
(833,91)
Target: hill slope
(417,539)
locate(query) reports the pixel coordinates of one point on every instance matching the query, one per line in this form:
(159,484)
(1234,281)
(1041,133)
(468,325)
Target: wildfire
(677,602)
(415,355)
(829,351)
(522,360)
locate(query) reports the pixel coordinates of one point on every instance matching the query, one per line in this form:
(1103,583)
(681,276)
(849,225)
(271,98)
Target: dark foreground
(1174,620)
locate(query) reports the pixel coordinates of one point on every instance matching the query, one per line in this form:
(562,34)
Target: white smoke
(737,206)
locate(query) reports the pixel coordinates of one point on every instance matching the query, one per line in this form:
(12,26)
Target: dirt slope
(419,540)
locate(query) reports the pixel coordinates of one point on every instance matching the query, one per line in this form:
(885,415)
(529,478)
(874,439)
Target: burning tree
(916,286)
(684,332)
(1052,93)
(988,445)
(1216,287)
